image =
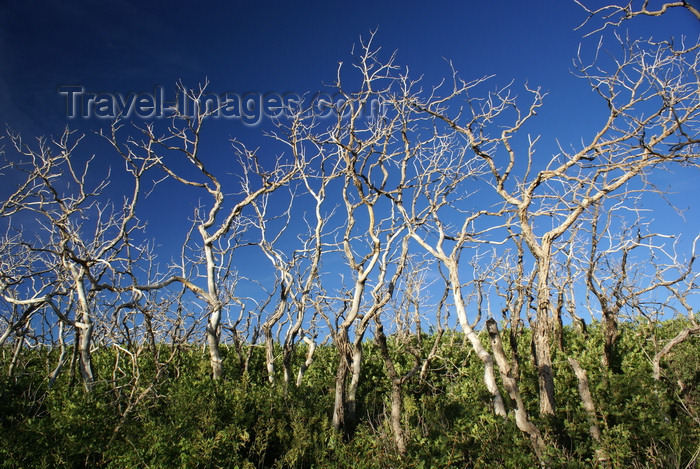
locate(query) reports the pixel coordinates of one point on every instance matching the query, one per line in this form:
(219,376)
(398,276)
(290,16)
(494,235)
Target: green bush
(187,420)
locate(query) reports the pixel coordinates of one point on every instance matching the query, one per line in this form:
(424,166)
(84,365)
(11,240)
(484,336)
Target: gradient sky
(273,46)
(264,46)
(123,46)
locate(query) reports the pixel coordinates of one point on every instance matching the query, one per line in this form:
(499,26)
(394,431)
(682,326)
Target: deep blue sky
(123,46)
(266,46)
(273,46)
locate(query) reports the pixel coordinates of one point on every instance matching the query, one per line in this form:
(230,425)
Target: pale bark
(681,337)
(84,329)
(510,382)
(397,382)
(625,148)
(614,15)
(349,360)
(541,331)
(309,359)
(84,241)
(21,320)
(214,225)
(280,309)
(396,412)
(350,353)
(619,284)
(339,407)
(396,398)
(485,357)
(19,342)
(355,370)
(61,359)
(214,320)
(588,404)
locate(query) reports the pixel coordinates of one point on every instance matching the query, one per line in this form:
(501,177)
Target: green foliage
(187,420)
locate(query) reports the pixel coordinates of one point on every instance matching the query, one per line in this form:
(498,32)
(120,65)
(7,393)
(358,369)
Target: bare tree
(620,278)
(296,309)
(588,404)
(430,209)
(308,280)
(19,264)
(351,153)
(358,312)
(614,15)
(404,316)
(283,271)
(221,220)
(510,382)
(405,155)
(655,77)
(81,239)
